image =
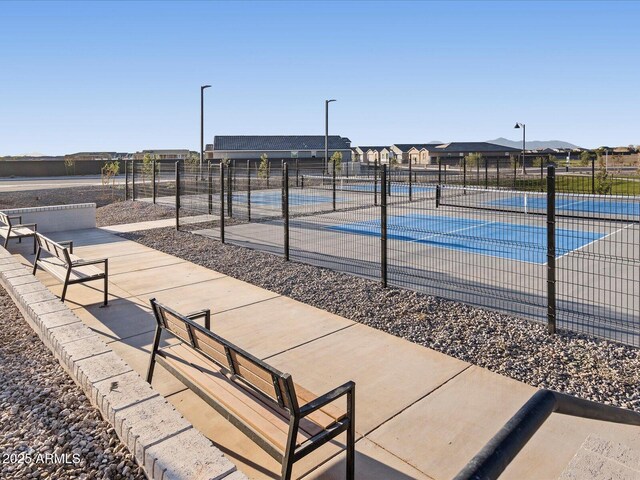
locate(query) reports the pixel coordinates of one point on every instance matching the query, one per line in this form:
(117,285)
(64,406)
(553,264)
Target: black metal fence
(550,250)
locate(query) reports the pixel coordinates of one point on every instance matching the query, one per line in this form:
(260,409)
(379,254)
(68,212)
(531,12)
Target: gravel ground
(61,196)
(131,212)
(44,413)
(576,364)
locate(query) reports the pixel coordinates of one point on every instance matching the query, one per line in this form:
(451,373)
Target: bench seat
(9,230)
(58,269)
(265,419)
(60,262)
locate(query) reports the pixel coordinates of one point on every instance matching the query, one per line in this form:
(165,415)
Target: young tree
(336,161)
(263,169)
(473,159)
(394,163)
(585,158)
(192,160)
(538,161)
(603,183)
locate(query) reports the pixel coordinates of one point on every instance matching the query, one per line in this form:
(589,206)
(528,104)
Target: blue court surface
(629,208)
(273,199)
(512,241)
(396,189)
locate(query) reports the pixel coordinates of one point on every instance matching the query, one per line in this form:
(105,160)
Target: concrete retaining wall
(58,218)
(163,442)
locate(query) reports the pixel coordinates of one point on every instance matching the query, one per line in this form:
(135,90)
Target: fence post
(249,190)
(285,202)
(282,187)
(410,183)
(297,171)
(593,175)
(375,182)
(486,172)
(133,180)
(333,184)
(153,179)
(498,173)
(126,180)
(439,171)
(464,173)
(178,195)
(222,193)
(383,226)
(551,248)
(438,192)
(515,171)
(229,191)
(210,189)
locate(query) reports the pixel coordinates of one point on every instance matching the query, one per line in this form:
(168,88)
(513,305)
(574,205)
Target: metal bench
(68,268)
(281,417)
(20,230)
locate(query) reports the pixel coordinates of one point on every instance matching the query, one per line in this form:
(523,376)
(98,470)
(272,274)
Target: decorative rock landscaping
(48,427)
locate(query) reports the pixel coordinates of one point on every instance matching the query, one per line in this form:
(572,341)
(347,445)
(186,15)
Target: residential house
(277,147)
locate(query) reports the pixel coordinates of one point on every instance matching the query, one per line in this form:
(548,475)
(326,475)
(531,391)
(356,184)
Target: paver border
(163,442)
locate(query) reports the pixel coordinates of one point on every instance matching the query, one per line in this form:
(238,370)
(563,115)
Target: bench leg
(287,461)
(6,242)
(154,349)
(351,435)
(64,291)
(35,261)
(106,282)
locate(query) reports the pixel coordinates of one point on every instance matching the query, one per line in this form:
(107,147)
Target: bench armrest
(68,243)
(84,263)
(327,398)
(206,314)
(13,217)
(28,225)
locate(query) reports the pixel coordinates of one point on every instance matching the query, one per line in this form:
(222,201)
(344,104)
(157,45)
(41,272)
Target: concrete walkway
(420,414)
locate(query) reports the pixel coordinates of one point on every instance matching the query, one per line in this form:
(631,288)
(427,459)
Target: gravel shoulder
(44,413)
(576,364)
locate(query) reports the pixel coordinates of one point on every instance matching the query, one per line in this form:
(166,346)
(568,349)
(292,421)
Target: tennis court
(496,239)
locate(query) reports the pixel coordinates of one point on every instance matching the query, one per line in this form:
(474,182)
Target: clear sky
(125,76)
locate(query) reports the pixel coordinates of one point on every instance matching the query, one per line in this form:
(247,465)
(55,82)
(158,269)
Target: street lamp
(326,134)
(523,126)
(202,122)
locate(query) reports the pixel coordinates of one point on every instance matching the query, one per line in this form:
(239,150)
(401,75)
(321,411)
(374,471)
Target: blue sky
(125,76)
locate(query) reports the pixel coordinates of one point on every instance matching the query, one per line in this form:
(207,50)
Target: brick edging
(165,444)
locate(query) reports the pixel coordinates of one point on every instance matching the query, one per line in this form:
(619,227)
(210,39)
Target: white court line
(451,231)
(594,241)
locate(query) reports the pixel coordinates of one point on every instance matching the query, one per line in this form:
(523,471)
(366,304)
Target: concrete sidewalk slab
(372,461)
(138,226)
(219,294)
(123,319)
(439,434)
(390,373)
(288,322)
(143,282)
(140,261)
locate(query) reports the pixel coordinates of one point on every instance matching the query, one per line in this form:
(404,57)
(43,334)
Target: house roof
(476,147)
(379,149)
(405,147)
(278,142)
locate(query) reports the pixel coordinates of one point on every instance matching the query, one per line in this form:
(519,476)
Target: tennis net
(602,207)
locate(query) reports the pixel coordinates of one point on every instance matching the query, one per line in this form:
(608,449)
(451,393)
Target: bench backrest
(260,376)
(53,248)
(4,218)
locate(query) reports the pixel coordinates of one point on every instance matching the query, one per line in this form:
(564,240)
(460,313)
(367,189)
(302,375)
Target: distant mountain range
(535,144)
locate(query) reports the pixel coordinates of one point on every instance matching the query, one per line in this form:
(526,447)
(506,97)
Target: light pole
(202,122)
(326,134)
(524,129)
